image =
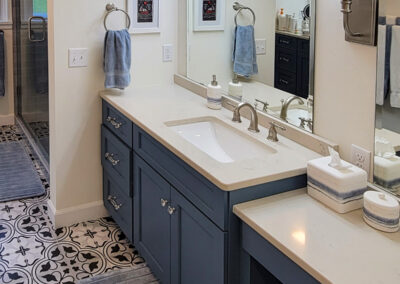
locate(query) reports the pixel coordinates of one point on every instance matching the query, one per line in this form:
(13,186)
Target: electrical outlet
(261,46)
(168,52)
(78,57)
(361,158)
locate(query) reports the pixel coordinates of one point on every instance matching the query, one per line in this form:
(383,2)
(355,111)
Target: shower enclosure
(31,70)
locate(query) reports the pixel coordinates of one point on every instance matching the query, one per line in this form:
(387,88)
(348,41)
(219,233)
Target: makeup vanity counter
(151,108)
(333,248)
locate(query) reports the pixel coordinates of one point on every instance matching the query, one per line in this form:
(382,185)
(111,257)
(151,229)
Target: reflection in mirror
(262,52)
(387,136)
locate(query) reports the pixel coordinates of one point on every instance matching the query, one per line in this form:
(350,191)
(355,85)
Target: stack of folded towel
(388,73)
(381,211)
(341,188)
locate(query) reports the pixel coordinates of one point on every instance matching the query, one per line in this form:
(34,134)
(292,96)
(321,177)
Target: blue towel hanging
(244,51)
(117,59)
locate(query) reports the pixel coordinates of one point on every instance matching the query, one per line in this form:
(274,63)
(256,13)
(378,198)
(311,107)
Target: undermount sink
(219,140)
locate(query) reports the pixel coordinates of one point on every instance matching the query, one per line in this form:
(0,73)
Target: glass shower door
(30,27)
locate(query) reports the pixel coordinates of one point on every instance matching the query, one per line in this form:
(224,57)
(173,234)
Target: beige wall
(75,106)
(344,84)
(7,102)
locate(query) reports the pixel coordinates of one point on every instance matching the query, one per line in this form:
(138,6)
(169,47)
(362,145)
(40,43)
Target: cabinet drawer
(286,59)
(118,204)
(117,123)
(206,196)
(116,159)
(285,81)
(286,41)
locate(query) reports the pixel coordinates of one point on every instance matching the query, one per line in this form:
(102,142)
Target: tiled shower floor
(31,251)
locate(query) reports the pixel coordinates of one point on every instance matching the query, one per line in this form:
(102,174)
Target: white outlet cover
(168,52)
(261,46)
(361,158)
(78,57)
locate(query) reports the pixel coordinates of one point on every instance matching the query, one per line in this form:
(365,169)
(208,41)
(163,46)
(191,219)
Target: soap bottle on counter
(214,94)
(282,21)
(236,88)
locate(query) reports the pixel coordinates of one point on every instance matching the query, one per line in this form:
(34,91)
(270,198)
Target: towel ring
(239,7)
(111,8)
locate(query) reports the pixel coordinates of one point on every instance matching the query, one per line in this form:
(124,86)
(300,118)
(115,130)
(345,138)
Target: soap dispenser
(282,24)
(236,88)
(214,94)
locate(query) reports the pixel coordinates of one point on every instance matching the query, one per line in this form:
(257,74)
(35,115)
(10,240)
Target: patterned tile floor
(32,251)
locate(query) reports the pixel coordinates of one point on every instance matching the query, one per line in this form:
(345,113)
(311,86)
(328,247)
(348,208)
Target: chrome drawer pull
(114,122)
(284,41)
(284,82)
(164,202)
(113,201)
(284,59)
(171,210)
(110,158)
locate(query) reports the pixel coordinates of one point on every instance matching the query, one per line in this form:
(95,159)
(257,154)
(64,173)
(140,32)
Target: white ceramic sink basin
(219,140)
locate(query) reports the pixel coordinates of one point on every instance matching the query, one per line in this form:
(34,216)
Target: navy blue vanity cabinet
(292,63)
(152,222)
(117,159)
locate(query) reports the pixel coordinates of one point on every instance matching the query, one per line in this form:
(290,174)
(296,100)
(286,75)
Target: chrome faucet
(273,134)
(254,117)
(286,104)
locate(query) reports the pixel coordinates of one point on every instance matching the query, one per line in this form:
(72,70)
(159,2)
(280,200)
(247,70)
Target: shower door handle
(30,30)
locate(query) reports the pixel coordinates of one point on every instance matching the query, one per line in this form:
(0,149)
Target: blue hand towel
(244,52)
(117,59)
(2,65)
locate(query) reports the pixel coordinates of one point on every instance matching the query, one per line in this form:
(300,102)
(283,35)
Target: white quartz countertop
(151,107)
(333,248)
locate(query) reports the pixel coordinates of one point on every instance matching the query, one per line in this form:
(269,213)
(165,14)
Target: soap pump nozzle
(214,82)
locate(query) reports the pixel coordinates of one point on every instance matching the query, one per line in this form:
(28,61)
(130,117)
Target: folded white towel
(395,68)
(381,70)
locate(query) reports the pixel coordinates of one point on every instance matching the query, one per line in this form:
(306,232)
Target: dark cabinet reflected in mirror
(262,52)
(387,136)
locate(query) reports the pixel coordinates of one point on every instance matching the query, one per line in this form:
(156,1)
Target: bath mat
(18,177)
(140,274)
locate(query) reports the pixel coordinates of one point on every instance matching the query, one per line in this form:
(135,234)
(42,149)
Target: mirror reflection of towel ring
(306,12)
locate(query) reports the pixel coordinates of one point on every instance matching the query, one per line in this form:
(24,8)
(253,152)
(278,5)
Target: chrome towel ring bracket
(239,7)
(110,7)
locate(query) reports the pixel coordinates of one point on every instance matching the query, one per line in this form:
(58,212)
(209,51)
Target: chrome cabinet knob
(114,122)
(110,158)
(164,202)
(113,201)
(171,210)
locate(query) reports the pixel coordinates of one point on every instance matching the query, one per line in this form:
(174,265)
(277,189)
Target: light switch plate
(261,46)
(168,52)
(361,158)
(78,57)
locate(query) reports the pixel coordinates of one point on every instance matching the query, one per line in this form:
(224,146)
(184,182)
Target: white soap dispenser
(236,88)
(214,94)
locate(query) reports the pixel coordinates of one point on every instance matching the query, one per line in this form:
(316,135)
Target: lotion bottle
(236,88)
(214,94)
(282,21)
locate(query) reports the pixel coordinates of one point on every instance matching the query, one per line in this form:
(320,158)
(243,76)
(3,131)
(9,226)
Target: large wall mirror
(387,136)
(262,52)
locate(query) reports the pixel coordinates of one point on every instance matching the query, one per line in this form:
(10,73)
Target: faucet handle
(276,125)
(303,122)
(265,105)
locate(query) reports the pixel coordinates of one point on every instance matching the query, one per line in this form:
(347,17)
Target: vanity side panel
(245,195)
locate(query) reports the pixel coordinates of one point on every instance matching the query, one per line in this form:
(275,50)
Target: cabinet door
(152,234)
(198,246)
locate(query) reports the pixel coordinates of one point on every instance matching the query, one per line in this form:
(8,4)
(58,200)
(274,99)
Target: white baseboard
(7,119)
(73,215)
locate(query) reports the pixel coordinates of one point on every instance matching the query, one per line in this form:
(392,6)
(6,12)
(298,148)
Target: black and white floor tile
(32,251)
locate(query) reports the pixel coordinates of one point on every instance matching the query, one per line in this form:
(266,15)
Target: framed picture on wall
(145,16)
(209,15)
